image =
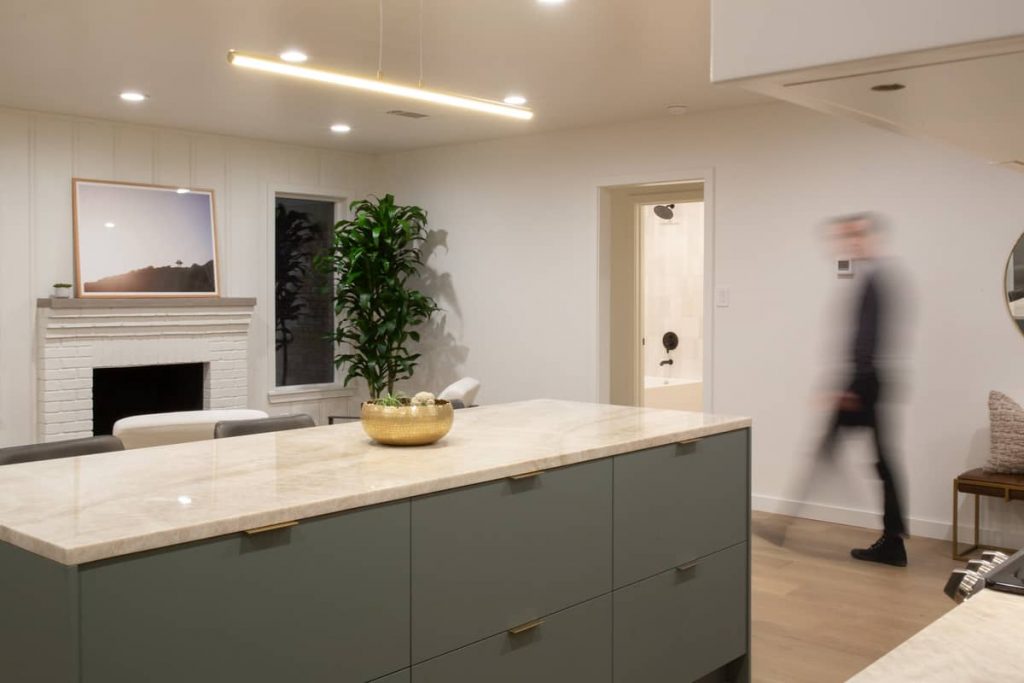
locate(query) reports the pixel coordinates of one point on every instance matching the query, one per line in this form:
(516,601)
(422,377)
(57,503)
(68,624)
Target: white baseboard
(928,528)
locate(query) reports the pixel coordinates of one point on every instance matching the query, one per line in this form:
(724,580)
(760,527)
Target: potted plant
(61,290)
(374,259)
(397,420)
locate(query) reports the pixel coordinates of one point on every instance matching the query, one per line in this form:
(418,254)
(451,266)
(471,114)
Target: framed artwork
(135,240)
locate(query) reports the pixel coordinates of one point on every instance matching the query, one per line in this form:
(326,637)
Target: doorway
(658,316)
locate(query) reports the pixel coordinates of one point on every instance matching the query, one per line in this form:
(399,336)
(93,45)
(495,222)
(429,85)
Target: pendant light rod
(276,66)
(380,40)
(421,44)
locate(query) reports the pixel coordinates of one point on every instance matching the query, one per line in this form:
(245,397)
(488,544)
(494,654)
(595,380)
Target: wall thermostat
(844,267)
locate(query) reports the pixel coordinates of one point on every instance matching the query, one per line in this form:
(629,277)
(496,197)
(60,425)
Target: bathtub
(673,393)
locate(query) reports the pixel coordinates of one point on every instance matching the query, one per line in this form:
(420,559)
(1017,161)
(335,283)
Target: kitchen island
(542,540)
(978,640)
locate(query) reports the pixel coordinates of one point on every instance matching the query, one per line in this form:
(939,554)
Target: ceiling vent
(408,114)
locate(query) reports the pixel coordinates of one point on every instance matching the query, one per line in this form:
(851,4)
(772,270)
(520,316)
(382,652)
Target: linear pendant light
(274,66)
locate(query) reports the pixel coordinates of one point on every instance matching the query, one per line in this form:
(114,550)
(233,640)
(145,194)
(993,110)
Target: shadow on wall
(443,357)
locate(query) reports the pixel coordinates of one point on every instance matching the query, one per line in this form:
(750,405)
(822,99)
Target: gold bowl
(406,425)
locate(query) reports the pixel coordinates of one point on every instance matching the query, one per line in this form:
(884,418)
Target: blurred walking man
(857,405)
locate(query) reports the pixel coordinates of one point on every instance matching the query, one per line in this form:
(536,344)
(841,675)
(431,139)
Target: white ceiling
(582,63)
(977,103)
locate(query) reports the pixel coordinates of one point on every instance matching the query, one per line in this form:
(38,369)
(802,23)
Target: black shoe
(887,550)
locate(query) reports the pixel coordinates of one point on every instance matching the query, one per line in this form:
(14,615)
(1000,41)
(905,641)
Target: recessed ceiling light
(340,128)
(294,56)
(132,96)
(108,225)
(515,100)
(677,109)
(183,190)
(888,87)
(551,2)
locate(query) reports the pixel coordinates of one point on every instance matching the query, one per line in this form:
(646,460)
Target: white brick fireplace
(75,336)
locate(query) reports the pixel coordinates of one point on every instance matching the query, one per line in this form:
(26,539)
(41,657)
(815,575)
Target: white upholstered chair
(464,390)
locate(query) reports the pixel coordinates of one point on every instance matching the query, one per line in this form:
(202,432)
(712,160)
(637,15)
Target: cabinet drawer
(326,600)
(573,645)
(679,502)
(488,557)
(683,624)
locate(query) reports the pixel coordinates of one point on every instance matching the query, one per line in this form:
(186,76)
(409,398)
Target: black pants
(868,416)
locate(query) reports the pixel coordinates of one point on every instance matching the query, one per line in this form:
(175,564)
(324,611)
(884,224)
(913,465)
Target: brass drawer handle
(689,441)
(270,527)
(523,628)
(688,566)
(527,475)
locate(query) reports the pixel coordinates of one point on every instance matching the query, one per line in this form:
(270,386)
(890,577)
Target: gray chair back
(228,428)
(60,449)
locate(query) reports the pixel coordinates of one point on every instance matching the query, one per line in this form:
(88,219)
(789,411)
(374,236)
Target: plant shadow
(443,355)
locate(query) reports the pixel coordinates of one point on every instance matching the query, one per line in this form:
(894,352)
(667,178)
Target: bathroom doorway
(672,303)
(657,295)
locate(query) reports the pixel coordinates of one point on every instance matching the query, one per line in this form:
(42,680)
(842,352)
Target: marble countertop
(93,507)
(978,640)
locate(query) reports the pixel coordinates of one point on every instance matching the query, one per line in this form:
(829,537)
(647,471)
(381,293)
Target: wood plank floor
(819,615)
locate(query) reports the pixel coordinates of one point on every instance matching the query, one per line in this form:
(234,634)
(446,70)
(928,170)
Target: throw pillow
(1007,420)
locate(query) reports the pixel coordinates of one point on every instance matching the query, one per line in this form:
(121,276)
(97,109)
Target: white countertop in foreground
(979,640)
(94,507)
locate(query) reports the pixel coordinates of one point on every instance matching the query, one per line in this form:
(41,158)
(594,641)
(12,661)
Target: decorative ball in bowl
(418,421)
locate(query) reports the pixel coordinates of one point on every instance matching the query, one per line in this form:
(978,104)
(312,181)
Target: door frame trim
(603,194)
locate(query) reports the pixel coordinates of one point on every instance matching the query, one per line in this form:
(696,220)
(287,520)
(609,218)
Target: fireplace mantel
(75,336)
(148,302)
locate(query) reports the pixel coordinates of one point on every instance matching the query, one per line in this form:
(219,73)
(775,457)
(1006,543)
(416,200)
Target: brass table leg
(956,521)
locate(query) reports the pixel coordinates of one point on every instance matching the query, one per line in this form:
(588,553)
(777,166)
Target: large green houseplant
(374,259)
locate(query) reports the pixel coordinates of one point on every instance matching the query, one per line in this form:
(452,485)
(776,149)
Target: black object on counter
(1009,576)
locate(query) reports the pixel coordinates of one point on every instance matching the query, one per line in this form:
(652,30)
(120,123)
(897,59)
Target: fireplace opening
(144,389)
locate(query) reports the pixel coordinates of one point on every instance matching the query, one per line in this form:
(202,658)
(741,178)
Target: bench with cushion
(161,429)
(981,483)
(1003,474)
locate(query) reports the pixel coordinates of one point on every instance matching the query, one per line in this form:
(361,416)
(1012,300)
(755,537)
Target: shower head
(664,211)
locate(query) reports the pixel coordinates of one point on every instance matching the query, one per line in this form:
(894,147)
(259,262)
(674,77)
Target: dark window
(303,315)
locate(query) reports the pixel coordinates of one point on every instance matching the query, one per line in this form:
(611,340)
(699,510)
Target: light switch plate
(722,297)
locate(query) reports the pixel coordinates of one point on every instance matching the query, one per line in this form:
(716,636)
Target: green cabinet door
(488,557)
(573,646)
(398,677)
(683,624)
(679,502)
(38,618)
(326,600)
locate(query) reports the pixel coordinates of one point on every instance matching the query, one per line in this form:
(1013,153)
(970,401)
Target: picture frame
(136,240)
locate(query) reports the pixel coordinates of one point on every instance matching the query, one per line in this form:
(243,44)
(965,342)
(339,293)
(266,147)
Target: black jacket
(868,333)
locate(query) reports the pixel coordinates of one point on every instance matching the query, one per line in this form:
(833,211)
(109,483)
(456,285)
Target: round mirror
(1015,283)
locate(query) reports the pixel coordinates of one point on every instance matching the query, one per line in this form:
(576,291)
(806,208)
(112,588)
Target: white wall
(40,153)
(757,37)
(522,221)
